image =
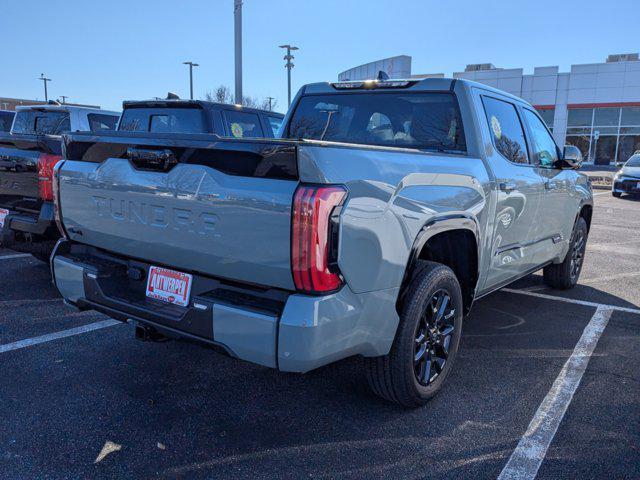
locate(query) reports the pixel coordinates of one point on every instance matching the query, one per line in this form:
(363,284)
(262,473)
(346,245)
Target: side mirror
(571,158)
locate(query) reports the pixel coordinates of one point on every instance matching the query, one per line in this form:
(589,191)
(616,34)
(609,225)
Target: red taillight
(312,207)
(46,162)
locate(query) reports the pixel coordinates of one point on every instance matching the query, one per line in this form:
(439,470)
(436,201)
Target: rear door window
(242,124)
(428,121)
(163,120)
(275,123)
(545,150)
(98,121)
(506,129)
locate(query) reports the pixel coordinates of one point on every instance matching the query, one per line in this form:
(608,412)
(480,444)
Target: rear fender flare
(435,226)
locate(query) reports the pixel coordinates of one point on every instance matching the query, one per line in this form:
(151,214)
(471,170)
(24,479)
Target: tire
(565,275)
(616,194)
(423,333)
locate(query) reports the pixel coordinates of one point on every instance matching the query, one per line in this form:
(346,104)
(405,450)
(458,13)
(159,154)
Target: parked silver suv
(370,230)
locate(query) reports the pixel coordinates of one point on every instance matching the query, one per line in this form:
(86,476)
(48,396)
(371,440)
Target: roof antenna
(172,96)
(382,76)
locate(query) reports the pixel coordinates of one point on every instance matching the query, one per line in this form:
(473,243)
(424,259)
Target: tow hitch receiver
(145,333)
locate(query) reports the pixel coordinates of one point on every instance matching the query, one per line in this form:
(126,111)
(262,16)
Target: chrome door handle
(507,186)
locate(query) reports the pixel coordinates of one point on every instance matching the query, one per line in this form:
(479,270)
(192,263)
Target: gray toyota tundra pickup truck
(369,230)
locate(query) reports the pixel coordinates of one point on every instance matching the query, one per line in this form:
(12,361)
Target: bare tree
(222,94)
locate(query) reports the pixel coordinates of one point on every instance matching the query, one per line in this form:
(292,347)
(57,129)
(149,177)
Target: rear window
(163,120)
(275,123)
(44,122)
(99,121)
(6,118)
(242,124)
(407,120)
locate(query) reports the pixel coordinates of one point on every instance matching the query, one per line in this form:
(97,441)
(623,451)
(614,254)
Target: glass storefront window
(606,116)
(547,115)
(606,130)
(618,131)
(627,146)
(605,149)
(630,116)
(579,131)
(582,142)
(580,117)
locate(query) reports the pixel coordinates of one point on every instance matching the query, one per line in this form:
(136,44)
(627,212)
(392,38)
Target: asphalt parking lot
(99,404)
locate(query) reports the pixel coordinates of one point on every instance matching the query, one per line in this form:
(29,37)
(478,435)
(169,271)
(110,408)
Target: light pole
(45,80)
(64,98)
(270,100)
(237,30)
(191,65)
(289,65)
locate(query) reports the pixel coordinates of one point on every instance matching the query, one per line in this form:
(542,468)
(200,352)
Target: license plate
(3,214)
(169,286)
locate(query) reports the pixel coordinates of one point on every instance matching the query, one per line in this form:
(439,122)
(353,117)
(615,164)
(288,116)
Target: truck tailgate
(19,156)
(208,214)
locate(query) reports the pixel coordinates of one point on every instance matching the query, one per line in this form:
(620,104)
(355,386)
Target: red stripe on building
(603,105)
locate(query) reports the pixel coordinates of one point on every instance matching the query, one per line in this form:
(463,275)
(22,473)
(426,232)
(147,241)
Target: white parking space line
(570,300)
(17,255)
(28,342)
(532,447)
(608,192)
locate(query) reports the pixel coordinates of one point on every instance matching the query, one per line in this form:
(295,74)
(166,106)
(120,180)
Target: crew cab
(369,230)
(27,156)
(198,116)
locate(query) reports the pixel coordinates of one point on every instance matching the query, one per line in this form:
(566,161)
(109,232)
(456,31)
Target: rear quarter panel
(393,194)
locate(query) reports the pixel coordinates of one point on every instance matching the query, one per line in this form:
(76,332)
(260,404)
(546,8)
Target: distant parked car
(6,119)
(28,154)
(627,180)
(197,116)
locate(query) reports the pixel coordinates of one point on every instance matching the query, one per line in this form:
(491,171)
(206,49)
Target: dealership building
(595,107)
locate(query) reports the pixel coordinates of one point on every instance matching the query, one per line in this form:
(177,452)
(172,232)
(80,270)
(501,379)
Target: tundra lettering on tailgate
(158,216)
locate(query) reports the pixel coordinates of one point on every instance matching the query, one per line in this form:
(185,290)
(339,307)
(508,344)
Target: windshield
(163,120)
(42,122)
(408,120)
(634,161)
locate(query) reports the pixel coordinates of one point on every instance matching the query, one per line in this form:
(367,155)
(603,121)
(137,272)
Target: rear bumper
(31,233)
(278,329)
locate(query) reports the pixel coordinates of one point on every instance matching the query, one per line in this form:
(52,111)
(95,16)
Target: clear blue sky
(103,52)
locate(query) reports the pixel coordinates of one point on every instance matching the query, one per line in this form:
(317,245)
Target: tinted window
(102,122)
(165,120)
(634,161)
(243,124)
(543,145)
(408,120)
(506,129)
(44,122)
(6,118)
(275,124)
